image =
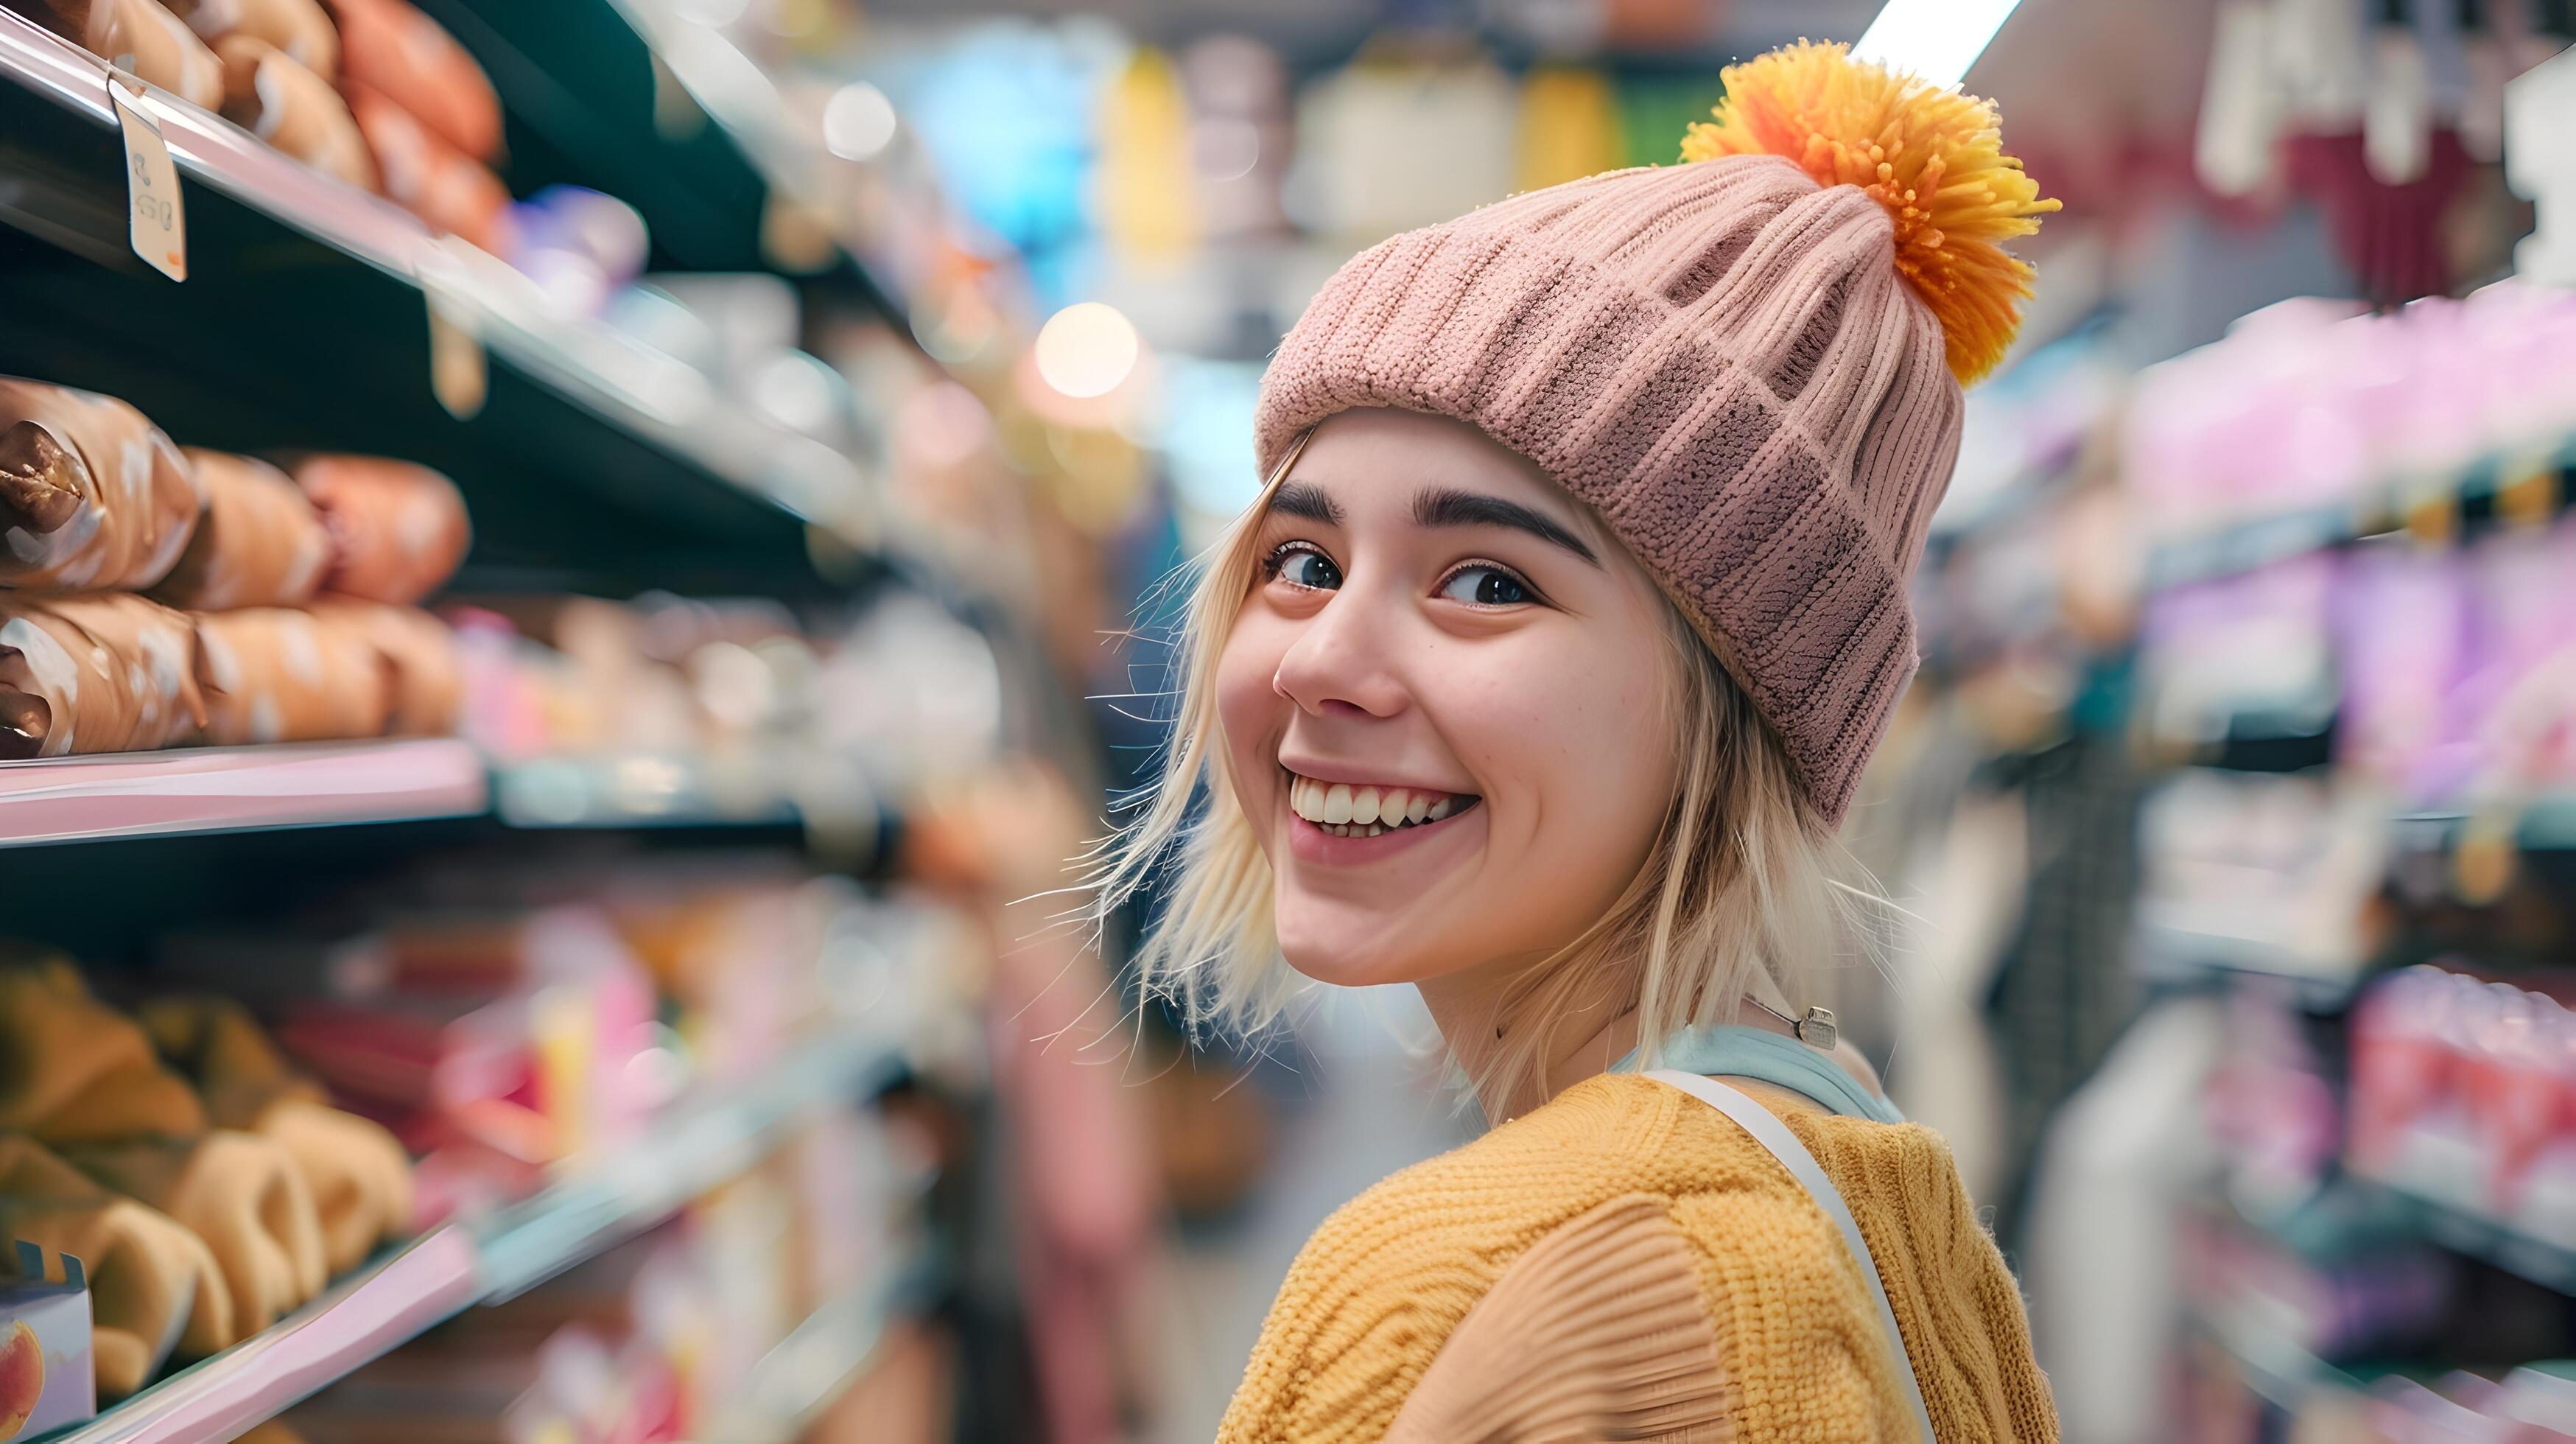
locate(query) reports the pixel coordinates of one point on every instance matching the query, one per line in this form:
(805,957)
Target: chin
(1350,954)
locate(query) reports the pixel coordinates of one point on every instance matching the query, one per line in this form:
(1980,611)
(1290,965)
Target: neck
(1488,1012)
(1502,1008)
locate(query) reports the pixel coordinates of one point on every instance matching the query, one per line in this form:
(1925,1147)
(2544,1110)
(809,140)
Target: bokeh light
(1087,349)
(858,122)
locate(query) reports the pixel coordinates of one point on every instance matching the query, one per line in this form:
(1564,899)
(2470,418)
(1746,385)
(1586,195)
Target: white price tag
(158,229)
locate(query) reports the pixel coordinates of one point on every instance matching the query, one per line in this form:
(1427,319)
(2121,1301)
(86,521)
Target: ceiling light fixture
(1935,39)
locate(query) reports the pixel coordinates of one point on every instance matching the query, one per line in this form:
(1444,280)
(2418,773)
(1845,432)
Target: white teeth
(1347,811)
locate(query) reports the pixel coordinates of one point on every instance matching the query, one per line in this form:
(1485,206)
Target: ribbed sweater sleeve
(1597,1332)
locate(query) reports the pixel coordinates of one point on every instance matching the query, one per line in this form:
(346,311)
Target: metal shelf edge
(363,1318)
(225,789)
(623,1190)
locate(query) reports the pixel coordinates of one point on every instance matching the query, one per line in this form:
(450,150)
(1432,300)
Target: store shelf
(645,790)
(337,784)
(2542,823)
(748,106)
(2376,509)
(315,297)
(2175,955)
(825,1354)
(599,1201)
(2277,1369)
(389,1302)
(610,124)
(762,786)
(626,1189)
(2463,1231)
(227,789)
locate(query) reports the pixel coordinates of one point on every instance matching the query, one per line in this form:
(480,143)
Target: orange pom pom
(1934,158)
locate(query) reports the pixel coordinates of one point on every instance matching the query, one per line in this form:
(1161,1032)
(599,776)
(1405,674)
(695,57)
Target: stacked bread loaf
(371,92)
(152,596)
(209,1187)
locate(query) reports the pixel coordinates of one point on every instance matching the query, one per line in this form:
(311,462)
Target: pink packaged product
(2402,1062)
(2520,694)
(2465,1091)
(46,1377)
(2307,404)
(2240,428)
(2513,1084)
(557,984)
(493,1042)
(2270,1107)
(2403,636)
(2259,642)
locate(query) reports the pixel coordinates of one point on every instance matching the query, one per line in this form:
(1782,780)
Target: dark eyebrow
(1307,500)
(1443,506)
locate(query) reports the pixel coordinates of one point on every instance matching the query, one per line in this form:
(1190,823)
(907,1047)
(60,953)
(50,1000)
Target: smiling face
(1444,706)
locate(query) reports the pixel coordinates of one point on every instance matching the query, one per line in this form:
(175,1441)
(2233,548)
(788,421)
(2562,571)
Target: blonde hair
(1741,895)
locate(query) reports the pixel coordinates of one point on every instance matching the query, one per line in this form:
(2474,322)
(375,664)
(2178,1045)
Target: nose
(1340,664)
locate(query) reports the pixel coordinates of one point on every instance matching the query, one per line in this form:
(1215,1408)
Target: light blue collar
(1732,1050)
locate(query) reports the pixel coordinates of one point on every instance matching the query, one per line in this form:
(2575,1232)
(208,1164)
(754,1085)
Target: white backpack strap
(1774,1135)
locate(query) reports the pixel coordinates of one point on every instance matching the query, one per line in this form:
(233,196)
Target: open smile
(1345,810)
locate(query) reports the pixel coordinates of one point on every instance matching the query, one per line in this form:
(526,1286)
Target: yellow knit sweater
(1798,1352)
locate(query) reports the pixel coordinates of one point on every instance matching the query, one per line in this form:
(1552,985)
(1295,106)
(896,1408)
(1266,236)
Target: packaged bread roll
(269,94)
(392,46)
(151,1281)
(297,27)
(79,1071)
(429,177)
(240,1193)
(279,674)
(166,52)
(92,495)
(359,1176)
(259,542)
(106,672)
(398,531)
(424,674)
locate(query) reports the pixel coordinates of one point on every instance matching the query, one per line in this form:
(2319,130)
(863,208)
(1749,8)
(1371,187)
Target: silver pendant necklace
(1816,1029)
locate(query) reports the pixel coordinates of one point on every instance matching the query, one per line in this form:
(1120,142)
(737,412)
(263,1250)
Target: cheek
(1579,725)
(1579,742)
(1250,712)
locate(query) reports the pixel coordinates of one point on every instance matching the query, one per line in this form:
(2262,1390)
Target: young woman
(1540,677)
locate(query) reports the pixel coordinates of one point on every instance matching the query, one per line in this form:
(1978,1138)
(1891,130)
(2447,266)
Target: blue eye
(1304,567)
(1486,586)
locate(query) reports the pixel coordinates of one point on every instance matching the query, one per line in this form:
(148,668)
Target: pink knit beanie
(1750,365)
